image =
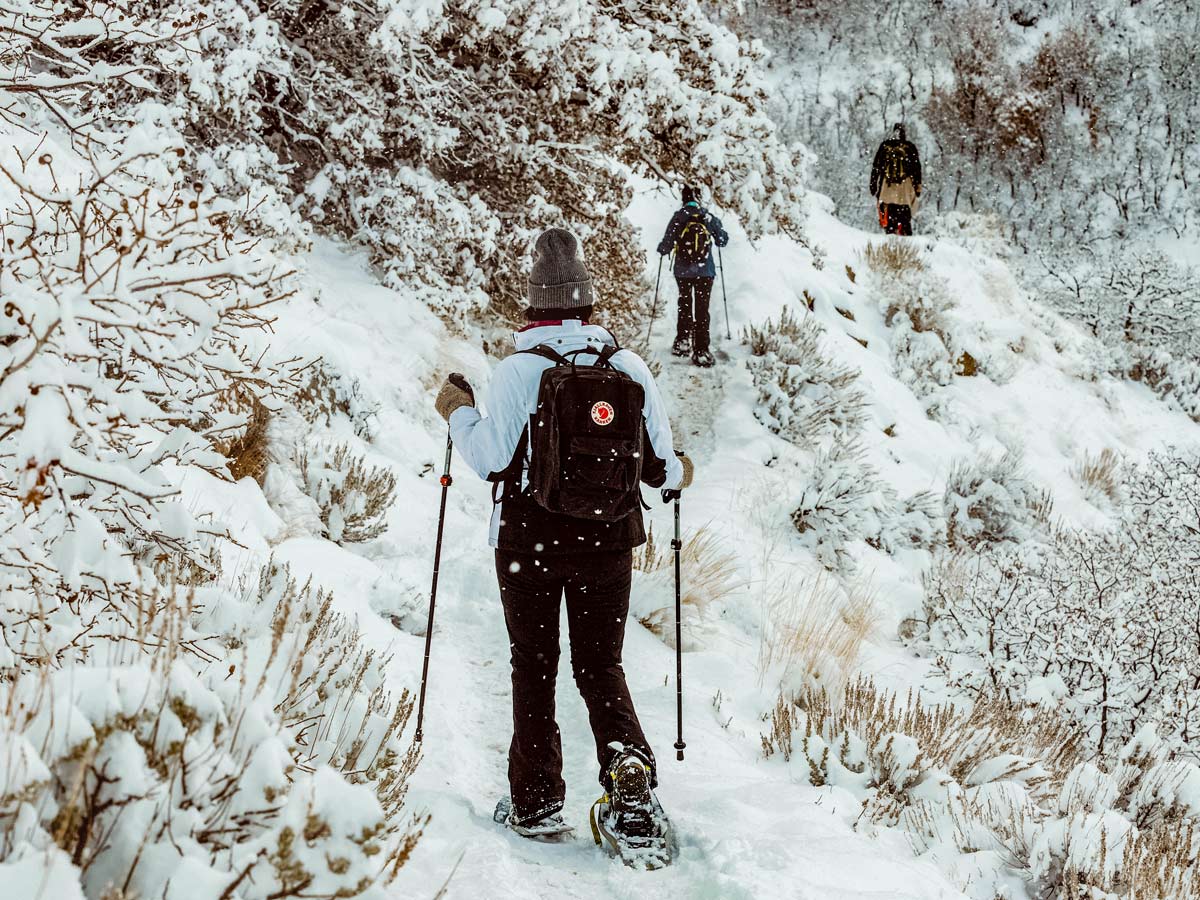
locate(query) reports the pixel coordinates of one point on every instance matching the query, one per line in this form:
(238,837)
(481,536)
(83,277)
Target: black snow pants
(597,590)
(694,294)
(899,218)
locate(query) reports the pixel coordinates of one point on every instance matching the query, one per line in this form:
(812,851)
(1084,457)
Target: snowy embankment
(748,827)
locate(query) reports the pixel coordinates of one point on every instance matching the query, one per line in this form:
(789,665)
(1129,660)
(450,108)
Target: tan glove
(456,392)
(670,494)
(688,471)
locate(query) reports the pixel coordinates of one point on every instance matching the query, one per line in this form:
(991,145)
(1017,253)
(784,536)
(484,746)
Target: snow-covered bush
(1139,298)
(989,499)
(353,496)
(1100,476)
(803,395)
(325,393)
(174,767)
(1143,307)
(1001,793)
(895,751)
(917,522)
(1181,387)
(174,737)
(1102,623)
(444,136)
(892,258)
(842,502)
(130,307)
(914,303)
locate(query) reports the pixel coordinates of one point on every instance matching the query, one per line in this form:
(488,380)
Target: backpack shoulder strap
(547,353)
(604,357)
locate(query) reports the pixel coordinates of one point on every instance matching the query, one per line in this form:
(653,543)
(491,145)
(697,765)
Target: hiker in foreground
(691,234)
(896,182)
(573,425)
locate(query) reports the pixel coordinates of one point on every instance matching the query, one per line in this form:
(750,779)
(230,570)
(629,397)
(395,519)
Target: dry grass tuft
(239,425)
(1037,746)
(1100,475)
(892,258)
(710,573)
(816,631)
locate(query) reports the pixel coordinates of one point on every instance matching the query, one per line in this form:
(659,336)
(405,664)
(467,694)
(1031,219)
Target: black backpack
(585,439)
(895,163)
(695,240)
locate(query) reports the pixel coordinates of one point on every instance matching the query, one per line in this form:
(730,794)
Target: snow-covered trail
(747,827)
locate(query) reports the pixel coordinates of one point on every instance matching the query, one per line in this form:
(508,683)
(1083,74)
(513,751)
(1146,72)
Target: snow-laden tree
(1068,124)
(168,732)
(1103,622)
(445,135)
(1143,307)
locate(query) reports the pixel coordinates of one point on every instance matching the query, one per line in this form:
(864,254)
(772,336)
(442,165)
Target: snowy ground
(747,827)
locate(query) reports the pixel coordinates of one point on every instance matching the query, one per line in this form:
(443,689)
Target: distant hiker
(896,182)
(691,234)
(573,424)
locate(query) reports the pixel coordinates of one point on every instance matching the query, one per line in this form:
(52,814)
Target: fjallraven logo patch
(602,413)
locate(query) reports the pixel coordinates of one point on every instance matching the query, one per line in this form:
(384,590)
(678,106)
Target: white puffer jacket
(489,442)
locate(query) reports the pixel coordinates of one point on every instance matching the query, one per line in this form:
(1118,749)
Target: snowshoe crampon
(549,828)
(629,822)
(681,347)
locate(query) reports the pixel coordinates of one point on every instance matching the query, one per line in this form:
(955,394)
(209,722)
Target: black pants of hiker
(597,590)
(693,323)
(899,218)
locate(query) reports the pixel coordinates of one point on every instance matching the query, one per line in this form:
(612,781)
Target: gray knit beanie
(558,279)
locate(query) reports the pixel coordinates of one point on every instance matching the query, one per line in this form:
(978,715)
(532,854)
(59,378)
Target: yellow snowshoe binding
(628,822)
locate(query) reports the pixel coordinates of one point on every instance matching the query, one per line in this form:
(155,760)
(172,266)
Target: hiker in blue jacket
(691,234)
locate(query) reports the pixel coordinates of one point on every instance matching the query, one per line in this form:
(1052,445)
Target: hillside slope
(748,827)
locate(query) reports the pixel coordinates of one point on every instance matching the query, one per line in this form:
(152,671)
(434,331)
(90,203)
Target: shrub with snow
(1001,793)
(352,496)
(842,502)
(444,136)
(989,499)
(1101,622)
(1143,307)
(914,303)
(803,395)
(712,571)
(166,735)
(172,766)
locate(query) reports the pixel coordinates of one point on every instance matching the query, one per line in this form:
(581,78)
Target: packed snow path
(746,827)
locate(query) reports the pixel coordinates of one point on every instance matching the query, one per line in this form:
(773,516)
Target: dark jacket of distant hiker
(906,191)
(683,268)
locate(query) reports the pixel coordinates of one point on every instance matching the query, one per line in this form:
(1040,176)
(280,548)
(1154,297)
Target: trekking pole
(654,308)
(724,296)
(677,546)
(446,481)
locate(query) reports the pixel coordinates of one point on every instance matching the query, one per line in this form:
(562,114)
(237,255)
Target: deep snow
(747,827)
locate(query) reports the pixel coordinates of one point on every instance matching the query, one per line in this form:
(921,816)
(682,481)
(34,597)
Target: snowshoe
(681,347)
(549,828)
(703,359)
(628,822)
